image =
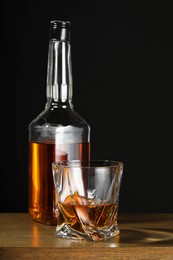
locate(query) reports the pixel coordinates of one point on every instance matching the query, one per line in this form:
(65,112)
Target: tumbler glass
(88,198)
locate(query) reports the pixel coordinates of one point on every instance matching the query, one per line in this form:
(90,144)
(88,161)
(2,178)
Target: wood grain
(142,236)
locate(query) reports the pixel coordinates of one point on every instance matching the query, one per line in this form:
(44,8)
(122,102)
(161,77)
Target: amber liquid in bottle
(58,132)
(43,206)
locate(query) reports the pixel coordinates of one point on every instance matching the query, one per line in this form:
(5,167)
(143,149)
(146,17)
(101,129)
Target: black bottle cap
(60,30)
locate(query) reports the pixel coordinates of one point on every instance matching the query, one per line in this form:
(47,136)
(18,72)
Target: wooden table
(142,236)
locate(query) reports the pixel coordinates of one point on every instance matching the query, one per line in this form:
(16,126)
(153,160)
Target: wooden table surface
(142,236)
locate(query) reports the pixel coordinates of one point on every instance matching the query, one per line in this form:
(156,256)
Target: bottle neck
(59,69)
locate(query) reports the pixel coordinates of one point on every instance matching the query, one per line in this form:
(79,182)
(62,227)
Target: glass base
(64,231)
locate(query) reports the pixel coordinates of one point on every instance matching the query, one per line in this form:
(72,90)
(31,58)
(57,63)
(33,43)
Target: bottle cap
(60,30)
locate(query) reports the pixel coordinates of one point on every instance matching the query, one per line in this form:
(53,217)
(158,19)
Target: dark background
(122,57)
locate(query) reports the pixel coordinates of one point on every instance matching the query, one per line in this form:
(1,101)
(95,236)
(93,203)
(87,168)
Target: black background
(122,56)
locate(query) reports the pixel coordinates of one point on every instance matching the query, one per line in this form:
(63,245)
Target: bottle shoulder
(56,116)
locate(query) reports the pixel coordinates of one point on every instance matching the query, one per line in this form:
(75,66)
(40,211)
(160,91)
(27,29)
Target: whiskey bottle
(58,132)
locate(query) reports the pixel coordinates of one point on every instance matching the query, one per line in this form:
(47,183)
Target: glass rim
(93,163)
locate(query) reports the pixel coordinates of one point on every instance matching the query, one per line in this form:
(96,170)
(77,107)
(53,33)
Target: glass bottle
(58,132)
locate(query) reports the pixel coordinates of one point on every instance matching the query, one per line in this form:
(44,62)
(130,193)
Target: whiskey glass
(88,198)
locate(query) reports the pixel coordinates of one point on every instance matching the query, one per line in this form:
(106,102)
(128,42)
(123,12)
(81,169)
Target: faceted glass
(88,198)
